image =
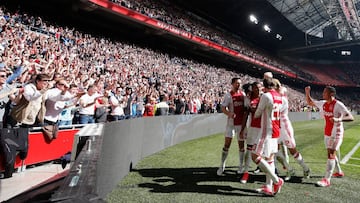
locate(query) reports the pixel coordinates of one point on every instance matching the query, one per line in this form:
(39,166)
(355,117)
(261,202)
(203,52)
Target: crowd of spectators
(128,79)
(352,70)
(194,24)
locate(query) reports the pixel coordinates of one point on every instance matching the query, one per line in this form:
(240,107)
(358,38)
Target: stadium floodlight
(346,53)
(279,37)
(267,28)
(253,19)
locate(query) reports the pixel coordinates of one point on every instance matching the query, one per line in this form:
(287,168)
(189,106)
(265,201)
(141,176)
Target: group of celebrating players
(258,116)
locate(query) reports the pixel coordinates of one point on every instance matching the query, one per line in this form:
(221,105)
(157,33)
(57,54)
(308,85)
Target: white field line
(355,158)
(348,155)
(356,165)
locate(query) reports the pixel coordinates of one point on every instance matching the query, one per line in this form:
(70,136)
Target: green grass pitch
(187,173)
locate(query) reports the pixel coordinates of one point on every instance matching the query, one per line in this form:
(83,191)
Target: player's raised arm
(309,99)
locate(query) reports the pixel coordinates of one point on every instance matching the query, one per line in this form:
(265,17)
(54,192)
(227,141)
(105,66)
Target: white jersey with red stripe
(269,108)
(253,133)
(254,122)
(333,109)
(287,130)
(234,101)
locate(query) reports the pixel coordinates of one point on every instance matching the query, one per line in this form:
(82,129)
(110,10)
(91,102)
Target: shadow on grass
(200,180)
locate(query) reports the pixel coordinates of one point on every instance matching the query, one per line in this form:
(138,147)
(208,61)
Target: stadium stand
(31,45)
(330,74)
(57,50)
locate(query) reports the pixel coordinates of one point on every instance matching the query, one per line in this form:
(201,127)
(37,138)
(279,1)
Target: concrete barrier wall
(126,142)
(303,116)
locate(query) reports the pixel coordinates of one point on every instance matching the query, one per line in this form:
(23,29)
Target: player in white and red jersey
(287,138)
(253,128)
(335,113)
(269,110)
(233,107)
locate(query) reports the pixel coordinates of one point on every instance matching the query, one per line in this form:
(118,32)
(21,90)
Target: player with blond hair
(266,146)
(287,137)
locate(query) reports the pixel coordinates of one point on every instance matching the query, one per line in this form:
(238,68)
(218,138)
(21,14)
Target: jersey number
(275,113)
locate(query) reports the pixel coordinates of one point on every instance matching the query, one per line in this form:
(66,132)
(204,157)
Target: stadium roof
(312,16)
(300,23)
(306,26)
(233,15)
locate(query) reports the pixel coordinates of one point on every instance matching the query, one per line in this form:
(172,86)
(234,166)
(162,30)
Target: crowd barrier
(112,149)
(41,150)
(110,156)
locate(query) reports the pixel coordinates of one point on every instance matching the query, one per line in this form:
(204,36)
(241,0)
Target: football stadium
(179,101)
